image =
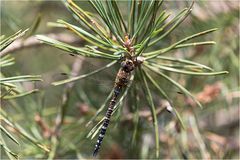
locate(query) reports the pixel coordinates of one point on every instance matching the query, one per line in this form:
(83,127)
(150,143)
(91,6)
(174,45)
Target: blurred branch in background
(32,41)
(55,139)
(217,7)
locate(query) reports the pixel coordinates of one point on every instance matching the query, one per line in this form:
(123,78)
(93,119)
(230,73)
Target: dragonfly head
(140,59)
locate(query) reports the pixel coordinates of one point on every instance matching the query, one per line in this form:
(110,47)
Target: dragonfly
(121,81)
(128,65)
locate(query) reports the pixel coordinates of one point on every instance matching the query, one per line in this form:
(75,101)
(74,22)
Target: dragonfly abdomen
(106,120)
(121,81)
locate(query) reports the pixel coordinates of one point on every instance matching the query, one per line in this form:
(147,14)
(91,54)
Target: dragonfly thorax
(127,65)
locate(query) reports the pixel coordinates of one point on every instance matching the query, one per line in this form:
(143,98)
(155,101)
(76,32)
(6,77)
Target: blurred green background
(211,132)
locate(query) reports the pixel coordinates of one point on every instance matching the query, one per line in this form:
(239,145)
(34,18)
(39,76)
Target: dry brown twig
(147,113)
